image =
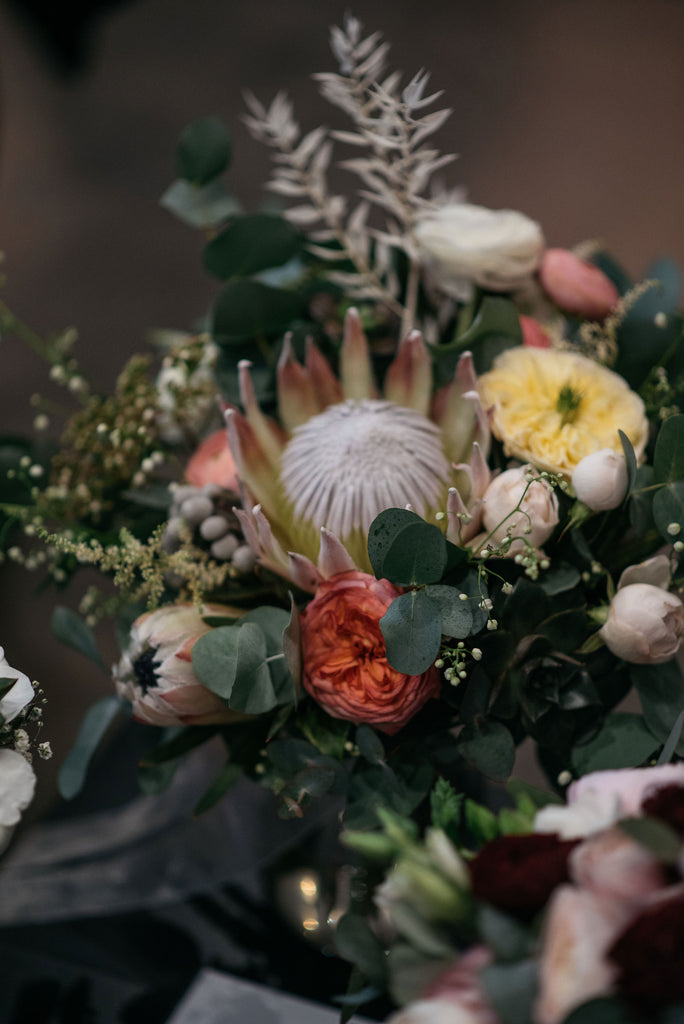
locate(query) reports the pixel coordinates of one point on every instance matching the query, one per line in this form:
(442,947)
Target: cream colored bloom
(17,783)
(554,408)
(19,695)
(463,244)
(342,453)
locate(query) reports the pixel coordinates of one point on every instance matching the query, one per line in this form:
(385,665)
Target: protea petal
(255,469)
(356,370)
(297,401)
(409,377)
(333,557)
(326,385)
(457,517)
(270,436)
(304,573)
(465,375)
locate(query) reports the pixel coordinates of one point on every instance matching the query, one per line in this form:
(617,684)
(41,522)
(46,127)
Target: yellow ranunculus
(553,408)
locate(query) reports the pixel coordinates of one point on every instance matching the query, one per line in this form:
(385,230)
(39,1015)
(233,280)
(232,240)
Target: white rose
(507,513)
(19,695)
(600,479)
(17,783)
(645,624)
(462,244)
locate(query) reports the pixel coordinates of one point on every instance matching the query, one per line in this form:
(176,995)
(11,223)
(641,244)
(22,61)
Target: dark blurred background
(569,110)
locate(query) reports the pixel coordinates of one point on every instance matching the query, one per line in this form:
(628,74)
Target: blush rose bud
(576,286)
(600,480)
(645,624)
(515,507)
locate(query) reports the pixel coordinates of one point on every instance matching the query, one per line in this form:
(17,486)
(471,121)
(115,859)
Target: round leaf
(383,531)
(249,244)
(248,308)
(489,748)
(413,633)
(204,150)
(668,510)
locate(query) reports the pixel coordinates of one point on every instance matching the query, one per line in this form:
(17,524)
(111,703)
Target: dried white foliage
(393,165)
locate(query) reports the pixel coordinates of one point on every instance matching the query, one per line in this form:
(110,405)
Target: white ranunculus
(645,624)
(507,513)
(17,783)
(600,479)
(19,695)
(463,244)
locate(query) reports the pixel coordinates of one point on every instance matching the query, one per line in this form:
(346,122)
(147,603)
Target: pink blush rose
(576,286)
(345,662)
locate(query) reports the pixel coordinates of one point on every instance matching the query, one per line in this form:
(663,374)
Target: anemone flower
(343,451)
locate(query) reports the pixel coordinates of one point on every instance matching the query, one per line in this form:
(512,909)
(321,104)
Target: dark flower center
(146,669)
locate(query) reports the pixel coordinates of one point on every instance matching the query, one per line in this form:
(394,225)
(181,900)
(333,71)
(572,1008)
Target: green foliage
(244,663)
(606,1010)
(72,630)
(95,723)
(204,150)
(412,631)
(668,457)
(661,692)
(251,243)
(247,309)
(668,508)
(630,460)
(406,550)
(495,327)
(489,747)
(224,781)
(356,943)
(445,805)
(455,613)
(624,741)
(199,206)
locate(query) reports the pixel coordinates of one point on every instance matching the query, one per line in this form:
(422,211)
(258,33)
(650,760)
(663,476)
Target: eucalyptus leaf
(489,747)
(412,631)
(661,692)
(455,613)
(245,309)
(199,207)
(370,745)
(668,509)
(253,692)
(72,630)
(251,243)
(630,461)
(204,150)
(668,457)
(214,659)
(495,328)
(93,727)
(624,741)
(417,555)
(506,937)
(383,532)
(356,943)
(670,747)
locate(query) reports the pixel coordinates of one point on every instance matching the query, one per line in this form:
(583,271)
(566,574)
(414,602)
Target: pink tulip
(213,463)
(576,286)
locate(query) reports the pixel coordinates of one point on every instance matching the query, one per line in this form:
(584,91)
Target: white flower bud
(645,624)
(19,694)
(600,479)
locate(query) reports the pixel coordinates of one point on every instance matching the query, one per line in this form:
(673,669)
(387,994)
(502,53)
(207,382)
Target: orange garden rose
(345,664)
(213,463)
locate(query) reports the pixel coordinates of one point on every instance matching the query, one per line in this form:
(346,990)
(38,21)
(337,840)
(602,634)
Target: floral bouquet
(441,516)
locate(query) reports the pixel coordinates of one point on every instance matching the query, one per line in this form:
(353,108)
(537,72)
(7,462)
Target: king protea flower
(343,452)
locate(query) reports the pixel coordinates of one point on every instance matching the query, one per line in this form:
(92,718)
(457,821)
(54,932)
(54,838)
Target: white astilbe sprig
(395,167)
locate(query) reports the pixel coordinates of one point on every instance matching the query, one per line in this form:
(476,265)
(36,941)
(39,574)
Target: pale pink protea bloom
(343,452)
